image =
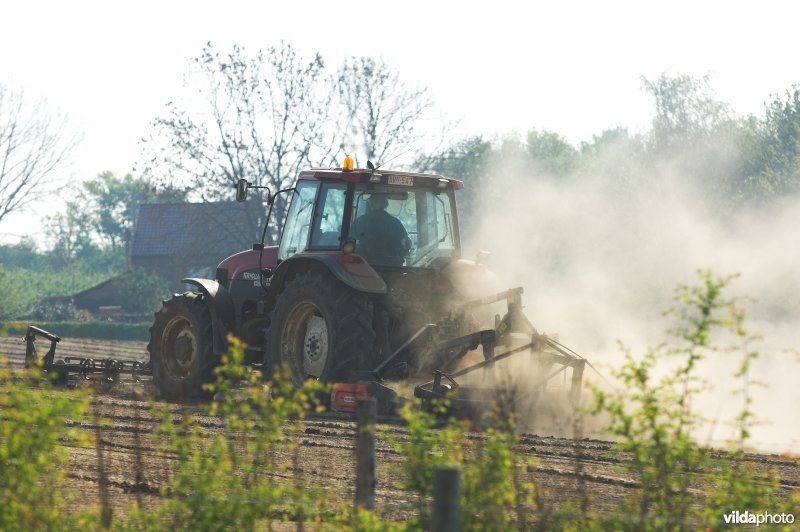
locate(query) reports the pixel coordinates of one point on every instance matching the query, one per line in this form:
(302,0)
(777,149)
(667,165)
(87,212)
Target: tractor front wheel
(181,347)
(321,329)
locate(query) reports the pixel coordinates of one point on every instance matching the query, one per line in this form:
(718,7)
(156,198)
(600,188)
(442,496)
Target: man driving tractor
(381,238)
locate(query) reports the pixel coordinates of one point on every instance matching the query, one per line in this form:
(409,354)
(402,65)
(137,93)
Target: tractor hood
(235,266)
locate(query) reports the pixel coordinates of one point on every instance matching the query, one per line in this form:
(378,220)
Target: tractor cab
(390,220)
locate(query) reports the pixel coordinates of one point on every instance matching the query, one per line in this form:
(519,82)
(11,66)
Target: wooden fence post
(365,453)
(446,500)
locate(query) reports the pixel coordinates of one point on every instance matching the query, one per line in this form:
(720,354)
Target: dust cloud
(599,260)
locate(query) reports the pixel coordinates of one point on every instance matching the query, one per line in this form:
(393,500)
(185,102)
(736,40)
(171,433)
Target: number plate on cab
(405,180)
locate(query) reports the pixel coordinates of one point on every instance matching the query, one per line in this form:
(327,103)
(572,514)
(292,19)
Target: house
(105,300)
(177,240)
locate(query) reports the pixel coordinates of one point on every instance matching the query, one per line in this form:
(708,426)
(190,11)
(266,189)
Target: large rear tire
(181,347)
(321,329)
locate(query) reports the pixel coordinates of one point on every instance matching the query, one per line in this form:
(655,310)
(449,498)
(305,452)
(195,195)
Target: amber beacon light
(347,165)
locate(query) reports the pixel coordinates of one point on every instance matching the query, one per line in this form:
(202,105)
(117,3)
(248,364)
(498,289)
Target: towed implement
(69,369)
(366,285)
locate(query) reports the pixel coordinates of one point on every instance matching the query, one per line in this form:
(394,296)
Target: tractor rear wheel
(321,329)
(181,347)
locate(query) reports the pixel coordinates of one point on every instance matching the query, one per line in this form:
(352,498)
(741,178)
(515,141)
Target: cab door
(298,221)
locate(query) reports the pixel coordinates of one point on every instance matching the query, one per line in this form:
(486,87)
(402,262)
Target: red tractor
(367,283)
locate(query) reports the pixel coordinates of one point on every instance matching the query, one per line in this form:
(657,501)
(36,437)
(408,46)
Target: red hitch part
(345,396)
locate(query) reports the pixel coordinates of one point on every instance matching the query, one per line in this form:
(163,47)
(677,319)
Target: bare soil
(135,465)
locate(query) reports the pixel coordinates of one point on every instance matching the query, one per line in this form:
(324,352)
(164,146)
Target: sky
(573,67)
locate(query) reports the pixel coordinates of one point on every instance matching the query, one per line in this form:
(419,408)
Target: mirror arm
(242,186)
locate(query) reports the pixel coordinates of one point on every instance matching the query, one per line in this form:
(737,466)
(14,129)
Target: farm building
(177,240)
(105,300)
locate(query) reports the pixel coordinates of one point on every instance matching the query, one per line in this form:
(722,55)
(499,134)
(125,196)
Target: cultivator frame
(544,352)
(470,400)
(105,370)
(550,358)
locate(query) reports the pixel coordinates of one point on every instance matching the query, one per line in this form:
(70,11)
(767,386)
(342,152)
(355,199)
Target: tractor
(367,283)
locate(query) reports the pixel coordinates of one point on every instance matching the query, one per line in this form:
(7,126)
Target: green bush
(426,448)
(12,295)
(654,423)
(22,289)
(35,421)
(232,479)
(493,496)
(143,291)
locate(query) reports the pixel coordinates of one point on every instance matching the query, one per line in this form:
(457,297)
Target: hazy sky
(573,67)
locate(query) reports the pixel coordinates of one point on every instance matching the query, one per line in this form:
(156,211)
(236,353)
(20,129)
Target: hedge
(103,330)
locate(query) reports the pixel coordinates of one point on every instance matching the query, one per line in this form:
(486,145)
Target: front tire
(181,347)
(321,329)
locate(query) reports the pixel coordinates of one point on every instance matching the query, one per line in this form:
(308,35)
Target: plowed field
(567,469)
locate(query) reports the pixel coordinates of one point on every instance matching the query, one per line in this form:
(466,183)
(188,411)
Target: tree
(383,113)
(70,238)
(264,118)
(22,254)
(114,203)
(775,161)
(551,152)
(34,145)
(12,295)
(695,139)
(70,233)
(465,159)
(686,110)
(143,291)
(615,156)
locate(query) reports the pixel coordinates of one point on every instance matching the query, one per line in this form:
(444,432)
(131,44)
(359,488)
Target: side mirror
(241,189)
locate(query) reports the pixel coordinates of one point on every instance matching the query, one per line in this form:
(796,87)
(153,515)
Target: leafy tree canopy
(114,203)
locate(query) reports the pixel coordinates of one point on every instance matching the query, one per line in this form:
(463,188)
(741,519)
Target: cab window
(298,220)
(327,226)
(426,218)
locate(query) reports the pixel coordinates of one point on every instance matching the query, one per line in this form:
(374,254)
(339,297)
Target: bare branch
(382,112)
(267,116)
(34,144)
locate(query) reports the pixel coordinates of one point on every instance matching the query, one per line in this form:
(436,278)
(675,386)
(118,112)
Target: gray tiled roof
(217,228)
